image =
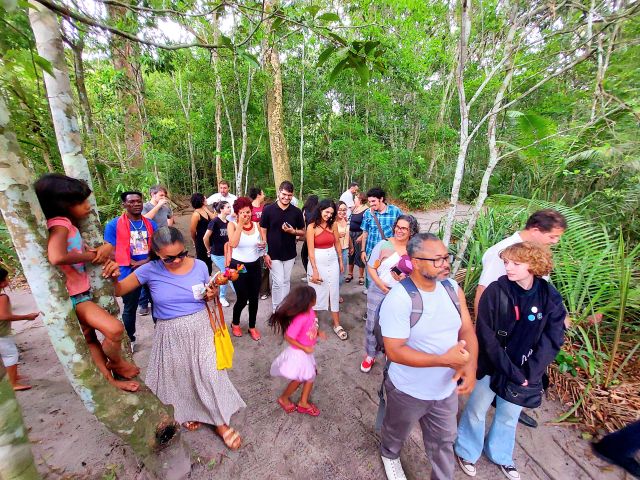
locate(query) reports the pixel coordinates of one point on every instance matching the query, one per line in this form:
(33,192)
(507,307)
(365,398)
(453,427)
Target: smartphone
(286,224)
(396,270)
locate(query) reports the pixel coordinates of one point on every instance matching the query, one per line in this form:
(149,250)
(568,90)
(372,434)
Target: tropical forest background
(506,106)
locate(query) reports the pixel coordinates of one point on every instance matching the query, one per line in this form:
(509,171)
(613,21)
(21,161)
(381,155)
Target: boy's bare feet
(123,368)
(20,388)
(126,385)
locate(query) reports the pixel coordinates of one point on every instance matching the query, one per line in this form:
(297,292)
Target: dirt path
(341,443)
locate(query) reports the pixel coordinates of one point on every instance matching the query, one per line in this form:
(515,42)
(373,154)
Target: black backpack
(416,313)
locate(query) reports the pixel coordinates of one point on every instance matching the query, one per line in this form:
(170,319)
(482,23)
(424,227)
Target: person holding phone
(388,264)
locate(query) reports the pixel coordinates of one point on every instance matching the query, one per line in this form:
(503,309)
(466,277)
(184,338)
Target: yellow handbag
(221,337)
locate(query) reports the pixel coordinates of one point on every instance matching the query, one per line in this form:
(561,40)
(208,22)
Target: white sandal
(340,332)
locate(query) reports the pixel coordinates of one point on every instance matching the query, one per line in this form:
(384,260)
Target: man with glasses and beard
(281,223)
(431,362)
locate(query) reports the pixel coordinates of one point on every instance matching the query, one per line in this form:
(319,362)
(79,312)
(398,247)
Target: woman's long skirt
(182,371)
(328,292)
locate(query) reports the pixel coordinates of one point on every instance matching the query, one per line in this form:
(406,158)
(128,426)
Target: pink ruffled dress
(293,363)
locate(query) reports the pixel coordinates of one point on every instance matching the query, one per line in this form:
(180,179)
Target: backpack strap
(416,300)
(452,294)
(375,218)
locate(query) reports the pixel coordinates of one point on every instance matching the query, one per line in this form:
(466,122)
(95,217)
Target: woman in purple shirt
(183,338)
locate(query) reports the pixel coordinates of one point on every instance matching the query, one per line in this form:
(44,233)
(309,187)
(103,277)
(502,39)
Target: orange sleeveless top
(324,240)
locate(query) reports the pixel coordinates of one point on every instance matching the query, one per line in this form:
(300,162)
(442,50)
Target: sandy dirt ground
(69,443)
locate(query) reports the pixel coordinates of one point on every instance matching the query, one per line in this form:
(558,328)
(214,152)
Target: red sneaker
(236,330)
(367,363)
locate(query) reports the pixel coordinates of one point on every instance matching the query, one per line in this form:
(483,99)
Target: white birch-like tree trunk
(16,459)
(494,153)
(139,419)
(46,31)
(463,45)
(241,188)
(215,59)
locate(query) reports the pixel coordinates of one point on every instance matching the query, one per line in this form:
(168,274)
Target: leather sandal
(348,278)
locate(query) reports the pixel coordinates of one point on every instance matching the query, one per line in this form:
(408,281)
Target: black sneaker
(527,420)
(510,471)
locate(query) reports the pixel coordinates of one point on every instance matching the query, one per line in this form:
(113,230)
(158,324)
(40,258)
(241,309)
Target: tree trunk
(275,105)
(139,418)
(244,106)
(304,57)
(463,44)
(49,45)
(16,459)
(124,56)
(215,59)
(185,103)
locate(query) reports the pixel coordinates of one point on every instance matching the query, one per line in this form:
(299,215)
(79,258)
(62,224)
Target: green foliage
(597,276)
(419,195)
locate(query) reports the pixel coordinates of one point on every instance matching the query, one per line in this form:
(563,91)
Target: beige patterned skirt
(182,371)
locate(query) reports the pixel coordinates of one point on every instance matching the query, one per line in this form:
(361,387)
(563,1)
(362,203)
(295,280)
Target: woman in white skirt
(182,367)
(325,262)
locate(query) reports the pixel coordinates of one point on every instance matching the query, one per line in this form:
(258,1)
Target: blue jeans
(218,261)
(143,301)
(499,443)
(129,307)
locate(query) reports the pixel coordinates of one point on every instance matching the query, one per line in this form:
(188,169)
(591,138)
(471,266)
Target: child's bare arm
(7,316)
(57,249)
(102,253)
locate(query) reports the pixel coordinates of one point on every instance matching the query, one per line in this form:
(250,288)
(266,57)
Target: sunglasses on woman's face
(172,258)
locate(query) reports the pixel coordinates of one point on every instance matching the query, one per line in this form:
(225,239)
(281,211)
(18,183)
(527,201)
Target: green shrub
(419,195)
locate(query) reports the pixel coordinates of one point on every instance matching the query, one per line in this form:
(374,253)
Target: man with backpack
(428,355)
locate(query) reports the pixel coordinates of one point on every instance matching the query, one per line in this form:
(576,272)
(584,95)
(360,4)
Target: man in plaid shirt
(386,215)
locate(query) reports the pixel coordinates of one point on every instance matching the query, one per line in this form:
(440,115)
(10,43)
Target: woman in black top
(520,329)
(355,247)
(200,218)
(215,239)
(307,213)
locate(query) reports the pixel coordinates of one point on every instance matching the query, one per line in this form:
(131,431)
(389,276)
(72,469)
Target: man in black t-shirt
(280,224)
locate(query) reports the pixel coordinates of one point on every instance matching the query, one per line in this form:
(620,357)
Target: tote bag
(221,337)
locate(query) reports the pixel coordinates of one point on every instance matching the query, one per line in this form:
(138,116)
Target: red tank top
(324,240)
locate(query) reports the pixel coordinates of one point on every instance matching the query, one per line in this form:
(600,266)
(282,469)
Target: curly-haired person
(520,329)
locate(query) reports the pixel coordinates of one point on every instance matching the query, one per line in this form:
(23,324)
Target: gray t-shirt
(161,216)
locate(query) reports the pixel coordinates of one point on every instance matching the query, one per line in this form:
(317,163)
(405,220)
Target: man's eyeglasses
(438,262)
(172,258)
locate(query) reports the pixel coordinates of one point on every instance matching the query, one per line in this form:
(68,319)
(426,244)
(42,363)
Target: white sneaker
(364,291)
(510,471)
(393,469)
(223,302)
(304,279)
(133,347)
(467,467)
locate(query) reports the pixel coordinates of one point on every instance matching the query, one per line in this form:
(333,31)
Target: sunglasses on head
(172,258)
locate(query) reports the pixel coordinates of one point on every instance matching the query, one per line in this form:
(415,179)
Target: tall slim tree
(275,104)
(139,419)
(124,55)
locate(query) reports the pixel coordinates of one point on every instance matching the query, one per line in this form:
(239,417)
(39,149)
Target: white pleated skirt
(328,292)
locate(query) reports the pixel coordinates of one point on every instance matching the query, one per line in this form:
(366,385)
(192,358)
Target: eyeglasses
(172,258)
(402,229)
(438,262)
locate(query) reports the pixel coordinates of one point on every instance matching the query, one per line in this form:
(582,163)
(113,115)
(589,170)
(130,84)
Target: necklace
(248,229)
(137,229)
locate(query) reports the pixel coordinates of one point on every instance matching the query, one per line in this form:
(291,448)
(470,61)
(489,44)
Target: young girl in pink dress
(297,321)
